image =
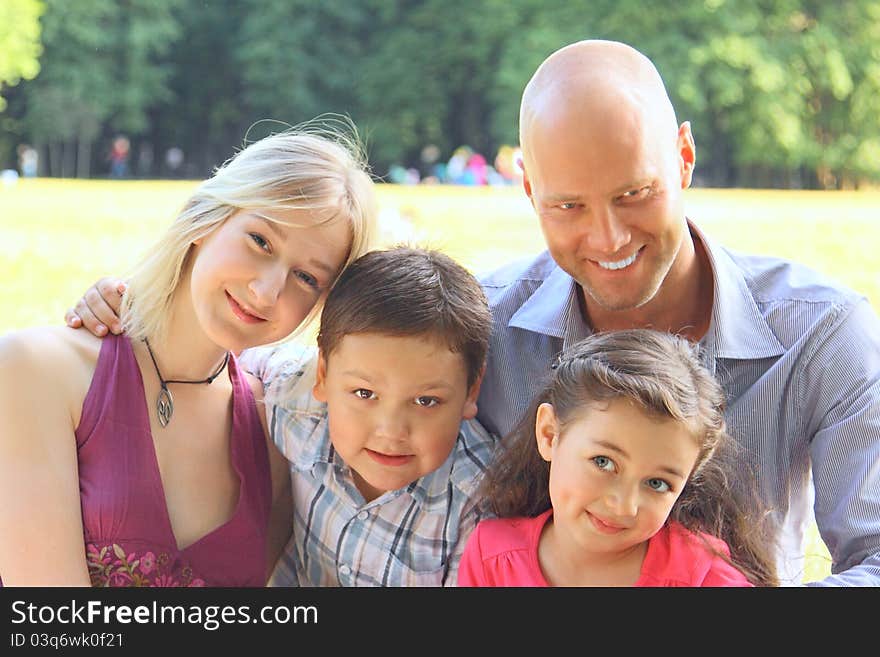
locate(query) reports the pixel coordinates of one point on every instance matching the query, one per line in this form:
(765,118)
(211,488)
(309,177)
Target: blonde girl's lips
(389,459)
(241,313)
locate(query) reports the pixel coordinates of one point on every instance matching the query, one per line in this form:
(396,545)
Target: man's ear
(546,431)
(687,154)
(469,411)
(527,184)
(319,390)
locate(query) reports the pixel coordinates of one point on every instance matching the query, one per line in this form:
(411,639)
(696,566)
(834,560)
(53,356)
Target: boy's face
(394,406)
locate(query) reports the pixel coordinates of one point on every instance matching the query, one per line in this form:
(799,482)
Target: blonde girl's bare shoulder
(54,360)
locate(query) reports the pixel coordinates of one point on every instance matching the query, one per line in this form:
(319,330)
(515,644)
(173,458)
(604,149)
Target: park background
(783,97)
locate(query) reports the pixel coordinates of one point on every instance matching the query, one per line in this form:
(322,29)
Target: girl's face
(615,473)
(254,281)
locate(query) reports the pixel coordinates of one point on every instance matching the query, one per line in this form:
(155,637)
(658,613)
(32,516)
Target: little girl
(618,475)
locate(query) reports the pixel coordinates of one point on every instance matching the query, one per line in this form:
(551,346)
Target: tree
(99,73)
(20,46)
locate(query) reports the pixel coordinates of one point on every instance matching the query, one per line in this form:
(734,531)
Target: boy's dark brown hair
(410,291)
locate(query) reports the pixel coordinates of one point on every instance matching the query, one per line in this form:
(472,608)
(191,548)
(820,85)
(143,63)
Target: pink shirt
(504,552)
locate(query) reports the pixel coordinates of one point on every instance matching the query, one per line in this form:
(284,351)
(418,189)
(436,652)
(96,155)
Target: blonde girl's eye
(604,463)
(308,279)
(364,393)
(260,241)
(658,485)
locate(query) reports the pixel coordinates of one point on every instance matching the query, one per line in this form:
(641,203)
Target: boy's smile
(394,405)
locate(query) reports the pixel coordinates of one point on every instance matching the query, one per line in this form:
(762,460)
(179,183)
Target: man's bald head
(596,80)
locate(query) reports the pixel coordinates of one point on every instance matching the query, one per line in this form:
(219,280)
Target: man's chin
(616,303)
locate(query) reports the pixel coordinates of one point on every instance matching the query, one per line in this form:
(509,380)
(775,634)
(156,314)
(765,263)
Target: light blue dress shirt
(799,359)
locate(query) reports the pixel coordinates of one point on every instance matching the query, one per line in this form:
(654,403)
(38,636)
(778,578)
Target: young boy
(378,427)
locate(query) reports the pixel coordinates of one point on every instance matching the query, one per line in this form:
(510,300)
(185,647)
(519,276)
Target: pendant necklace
(165,402)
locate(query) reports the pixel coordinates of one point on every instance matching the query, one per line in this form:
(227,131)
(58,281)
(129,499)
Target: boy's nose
(392,427)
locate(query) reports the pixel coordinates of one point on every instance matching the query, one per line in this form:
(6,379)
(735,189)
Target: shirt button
(344,570)
(363,515)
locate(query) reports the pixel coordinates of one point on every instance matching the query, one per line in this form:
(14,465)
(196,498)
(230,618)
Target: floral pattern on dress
(111,566)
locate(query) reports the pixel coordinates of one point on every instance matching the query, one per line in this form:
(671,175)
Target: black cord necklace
(165,402)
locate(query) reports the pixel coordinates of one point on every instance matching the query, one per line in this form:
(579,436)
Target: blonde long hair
(315,166)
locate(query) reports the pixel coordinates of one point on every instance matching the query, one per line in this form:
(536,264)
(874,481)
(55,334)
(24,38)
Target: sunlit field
(57,237)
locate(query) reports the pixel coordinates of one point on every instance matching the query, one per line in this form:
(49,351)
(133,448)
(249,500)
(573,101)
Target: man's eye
(259,241)
(604,463)
(363,393)
(569,205)
(658,485)
(427,402)
(633,194)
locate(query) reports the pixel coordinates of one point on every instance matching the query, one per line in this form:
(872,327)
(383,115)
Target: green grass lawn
(57,237)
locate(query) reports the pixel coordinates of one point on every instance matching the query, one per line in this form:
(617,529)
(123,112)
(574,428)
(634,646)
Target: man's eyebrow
(635,184)
(557,196)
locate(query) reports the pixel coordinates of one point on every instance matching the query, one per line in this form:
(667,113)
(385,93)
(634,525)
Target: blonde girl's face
(255,279)
(615,473)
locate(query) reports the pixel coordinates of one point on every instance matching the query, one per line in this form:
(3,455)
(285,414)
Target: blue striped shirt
(412,536)
(799,359)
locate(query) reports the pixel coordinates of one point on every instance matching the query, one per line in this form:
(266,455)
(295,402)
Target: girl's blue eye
(604,463)
(658,485)
(259,241)
(308,279)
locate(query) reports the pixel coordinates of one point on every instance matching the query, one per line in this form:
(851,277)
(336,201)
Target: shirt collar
(553,309)
(737,328)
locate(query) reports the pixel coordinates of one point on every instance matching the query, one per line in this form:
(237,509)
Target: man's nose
(606,234)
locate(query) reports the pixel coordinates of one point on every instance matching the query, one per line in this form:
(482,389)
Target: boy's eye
(307,278)
(260,241)
(604,463)
(363,393)
(427,402)
(658,485)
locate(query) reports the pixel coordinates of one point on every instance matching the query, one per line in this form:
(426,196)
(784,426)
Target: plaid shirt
(412,536)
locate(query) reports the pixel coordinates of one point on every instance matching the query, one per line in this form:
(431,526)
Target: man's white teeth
(620,264)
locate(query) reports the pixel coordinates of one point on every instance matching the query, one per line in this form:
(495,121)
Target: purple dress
(128,535)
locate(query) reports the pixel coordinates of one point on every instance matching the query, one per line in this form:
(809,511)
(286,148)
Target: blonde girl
(143,459)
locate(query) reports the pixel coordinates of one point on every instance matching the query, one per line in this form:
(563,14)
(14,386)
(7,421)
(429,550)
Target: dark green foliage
(779,93)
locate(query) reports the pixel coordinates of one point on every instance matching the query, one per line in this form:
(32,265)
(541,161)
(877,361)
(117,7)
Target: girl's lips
(241,313)
(603,526)
(389,459)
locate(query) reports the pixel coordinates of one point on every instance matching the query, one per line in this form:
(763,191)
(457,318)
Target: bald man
(605,166)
